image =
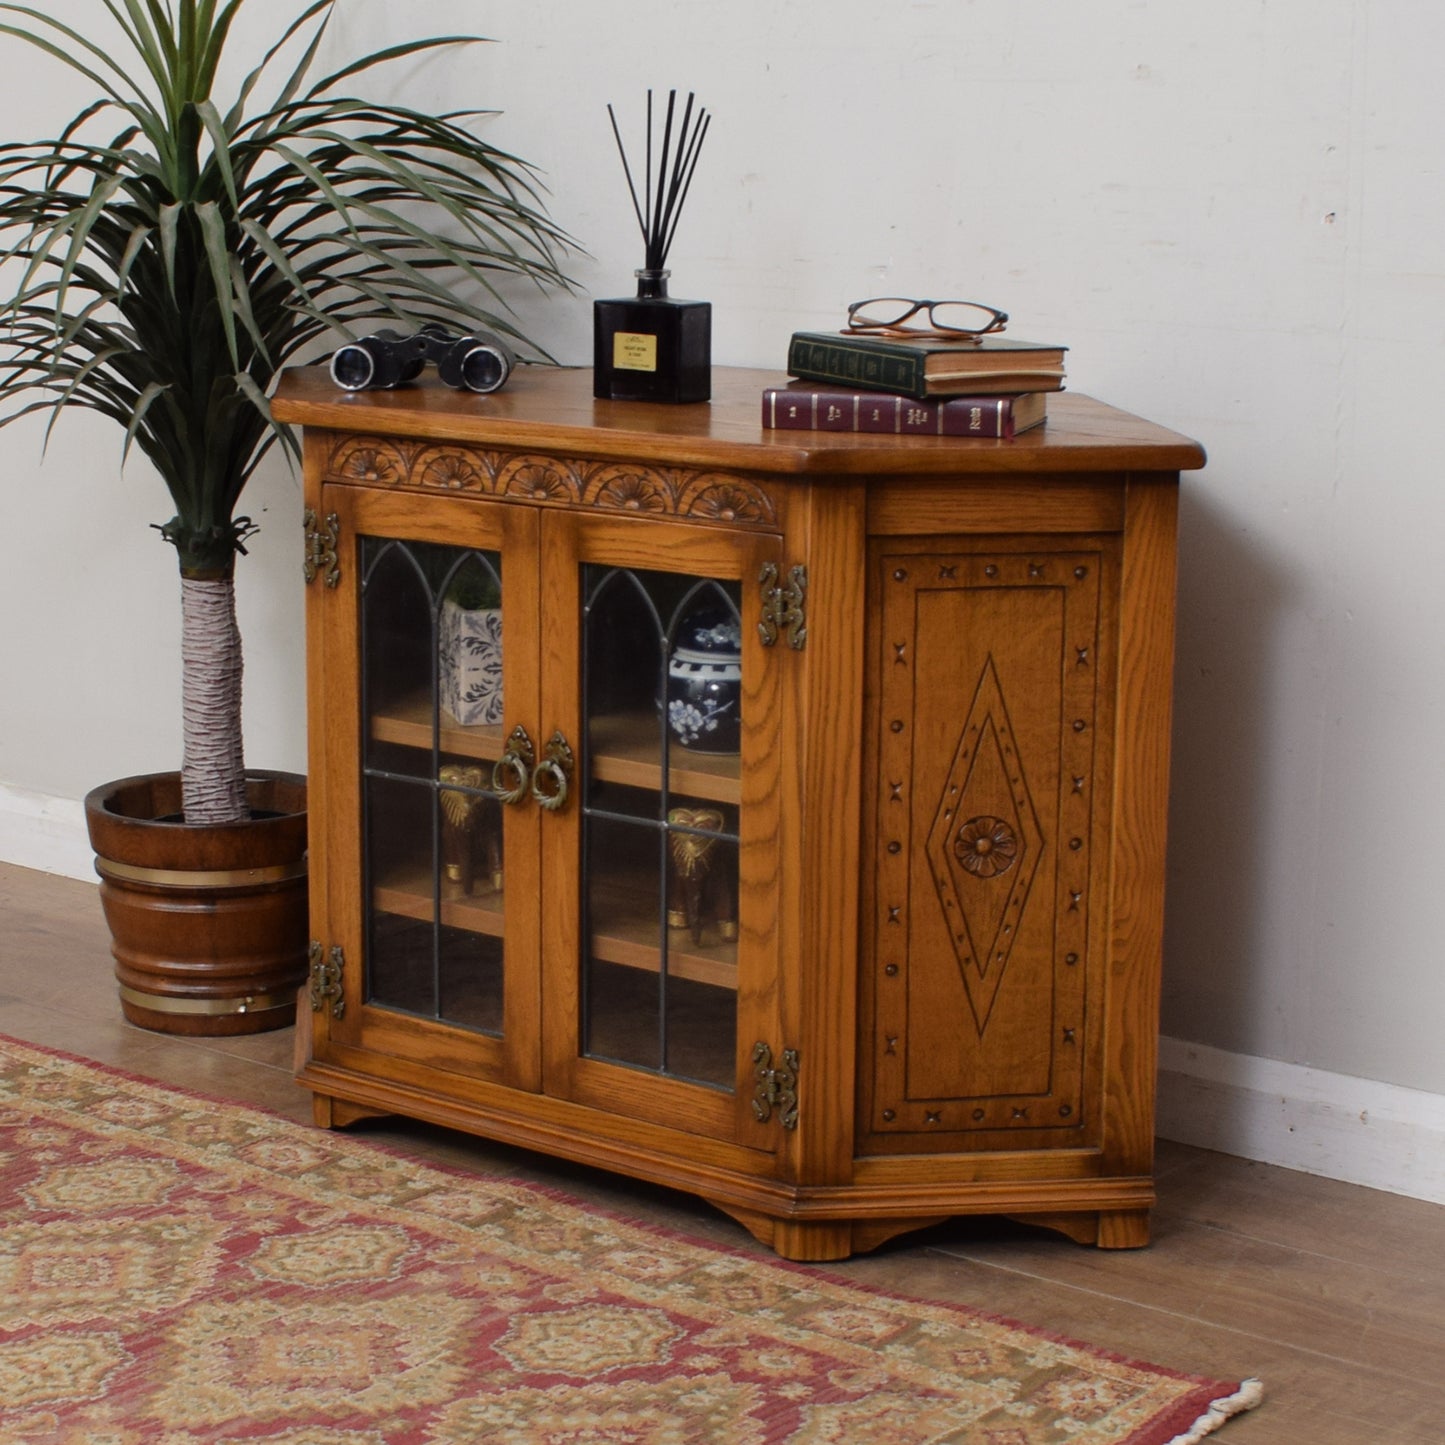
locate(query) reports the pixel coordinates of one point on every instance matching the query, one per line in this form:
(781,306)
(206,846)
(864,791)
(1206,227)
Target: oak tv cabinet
(778,816)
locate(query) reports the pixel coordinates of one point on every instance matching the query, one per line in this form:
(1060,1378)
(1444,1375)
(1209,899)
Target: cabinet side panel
(989,834)
(1141,801)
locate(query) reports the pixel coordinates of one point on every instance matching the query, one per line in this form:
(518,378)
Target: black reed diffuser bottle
(650,347)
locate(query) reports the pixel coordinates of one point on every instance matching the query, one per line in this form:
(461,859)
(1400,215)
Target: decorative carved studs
(994,865)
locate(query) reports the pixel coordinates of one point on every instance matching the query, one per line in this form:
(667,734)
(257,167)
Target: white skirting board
(45,833)
(1357,1130)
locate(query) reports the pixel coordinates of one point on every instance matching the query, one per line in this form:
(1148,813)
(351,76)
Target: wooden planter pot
(208,924)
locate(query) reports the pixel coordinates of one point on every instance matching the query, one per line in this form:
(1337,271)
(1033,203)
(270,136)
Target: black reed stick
(659,208)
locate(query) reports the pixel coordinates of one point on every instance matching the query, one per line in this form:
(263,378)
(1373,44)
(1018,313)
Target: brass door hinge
(323,545)
(776,1088)
(784,605)
(326,969)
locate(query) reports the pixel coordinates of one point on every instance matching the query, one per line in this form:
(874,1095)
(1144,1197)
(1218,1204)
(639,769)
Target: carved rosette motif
(696,496)
(986,847)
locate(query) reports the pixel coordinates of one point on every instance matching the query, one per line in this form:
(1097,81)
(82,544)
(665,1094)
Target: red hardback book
(807,407)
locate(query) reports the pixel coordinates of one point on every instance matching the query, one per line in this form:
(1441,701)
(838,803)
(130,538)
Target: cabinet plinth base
(331,1113)
(817,1241)
(1107,1229)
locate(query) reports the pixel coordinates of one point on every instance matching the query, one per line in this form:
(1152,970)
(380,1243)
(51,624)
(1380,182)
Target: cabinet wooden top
(553,409)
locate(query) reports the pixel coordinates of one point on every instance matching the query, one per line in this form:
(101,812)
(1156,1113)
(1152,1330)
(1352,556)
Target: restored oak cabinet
(777,816)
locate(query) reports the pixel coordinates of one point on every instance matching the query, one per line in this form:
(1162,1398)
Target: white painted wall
(1234,218)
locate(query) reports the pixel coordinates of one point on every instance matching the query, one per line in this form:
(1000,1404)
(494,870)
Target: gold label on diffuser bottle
(634,351)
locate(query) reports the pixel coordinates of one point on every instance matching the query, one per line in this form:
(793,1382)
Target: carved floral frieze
(681,492)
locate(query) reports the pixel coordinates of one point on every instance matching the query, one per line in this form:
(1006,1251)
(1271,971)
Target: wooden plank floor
(1334,1294)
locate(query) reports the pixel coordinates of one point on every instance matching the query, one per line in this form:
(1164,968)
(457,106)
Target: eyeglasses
(889,316)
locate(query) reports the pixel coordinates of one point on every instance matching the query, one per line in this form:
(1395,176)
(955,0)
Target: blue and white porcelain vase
(470,662)
(705,682)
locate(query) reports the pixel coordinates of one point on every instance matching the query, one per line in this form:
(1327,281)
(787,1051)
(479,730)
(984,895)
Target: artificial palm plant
(163,274)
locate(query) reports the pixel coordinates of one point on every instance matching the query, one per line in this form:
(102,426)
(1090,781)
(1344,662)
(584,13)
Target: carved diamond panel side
(984,846)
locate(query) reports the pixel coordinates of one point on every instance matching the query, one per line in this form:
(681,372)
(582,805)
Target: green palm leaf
(167,271)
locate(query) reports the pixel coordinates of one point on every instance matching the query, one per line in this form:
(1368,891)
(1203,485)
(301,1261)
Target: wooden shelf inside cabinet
(625,750)
(409,722)
(624,929)
(625,932)
(409,893)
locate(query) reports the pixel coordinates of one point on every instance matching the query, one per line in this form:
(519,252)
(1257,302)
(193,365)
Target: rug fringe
(1249,1394)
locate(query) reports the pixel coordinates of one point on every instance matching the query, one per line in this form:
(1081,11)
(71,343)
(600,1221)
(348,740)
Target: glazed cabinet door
(661,709)
(988,809)
(429,642)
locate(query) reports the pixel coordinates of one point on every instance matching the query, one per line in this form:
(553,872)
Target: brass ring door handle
(552,775)
(512,772)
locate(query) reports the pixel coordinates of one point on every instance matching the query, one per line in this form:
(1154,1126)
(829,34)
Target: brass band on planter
(200,878)
(249,1003)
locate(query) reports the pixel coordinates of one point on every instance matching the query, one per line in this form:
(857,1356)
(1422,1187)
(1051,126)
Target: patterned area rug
(177,1270)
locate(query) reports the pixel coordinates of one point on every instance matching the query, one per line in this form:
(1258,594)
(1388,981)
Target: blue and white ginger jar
(705,683)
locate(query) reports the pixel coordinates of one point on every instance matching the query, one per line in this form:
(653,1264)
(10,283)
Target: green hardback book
(990,366)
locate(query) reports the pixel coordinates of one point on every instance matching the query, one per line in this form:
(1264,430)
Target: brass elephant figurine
(701,886)
(471,827)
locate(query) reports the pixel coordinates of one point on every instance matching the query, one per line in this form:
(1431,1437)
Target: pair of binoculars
(479,362)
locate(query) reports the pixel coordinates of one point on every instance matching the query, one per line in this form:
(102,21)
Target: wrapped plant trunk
(213,773)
